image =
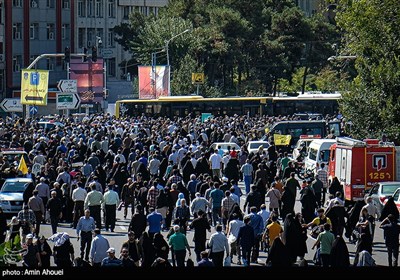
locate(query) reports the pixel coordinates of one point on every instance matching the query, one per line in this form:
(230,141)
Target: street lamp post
(167,51)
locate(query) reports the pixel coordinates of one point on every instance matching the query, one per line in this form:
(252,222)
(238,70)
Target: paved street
(119,236)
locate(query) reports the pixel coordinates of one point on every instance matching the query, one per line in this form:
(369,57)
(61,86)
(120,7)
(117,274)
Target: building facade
(95,20)
(29,28)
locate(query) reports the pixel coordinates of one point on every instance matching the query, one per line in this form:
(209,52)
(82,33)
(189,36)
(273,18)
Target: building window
(50,31)
(111,8)
(81,37)
(17,3)
(17,60)
(17,31)
(99,36)
(111,67)
(110,38)
(50,4)
(125,12)
(65,31)
(50,63)
(32,58)
(90,37)
(34,31)
(65,4)
(90,12)
(99,8)
(81,8)
(34,4)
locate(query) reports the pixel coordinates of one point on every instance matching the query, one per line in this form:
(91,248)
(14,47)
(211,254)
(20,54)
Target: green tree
(372,33)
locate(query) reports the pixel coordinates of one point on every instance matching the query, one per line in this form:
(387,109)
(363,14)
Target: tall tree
(372,33)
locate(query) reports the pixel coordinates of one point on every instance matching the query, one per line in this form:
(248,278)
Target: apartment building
(29,28)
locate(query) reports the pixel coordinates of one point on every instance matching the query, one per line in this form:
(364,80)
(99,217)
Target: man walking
(84,229)
(110,203)
(179,245)
(36,205)
(93,202)
(78,197)
(200,226)
(247,170)
(54,206)
(99,247)
(218,244)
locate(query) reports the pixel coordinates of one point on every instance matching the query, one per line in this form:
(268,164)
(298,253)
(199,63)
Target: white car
(11,194)
(225,145)
(253,146)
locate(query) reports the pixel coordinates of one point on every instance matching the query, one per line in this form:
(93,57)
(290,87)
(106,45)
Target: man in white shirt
(225,160)
(78,197)
(232,232)
(215,163)
(218,244)
(264,213)
(154,165)
(110,203)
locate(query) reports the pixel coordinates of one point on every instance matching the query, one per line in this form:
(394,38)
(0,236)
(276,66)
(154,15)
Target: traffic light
(67,54)
(94,54)
(85,54)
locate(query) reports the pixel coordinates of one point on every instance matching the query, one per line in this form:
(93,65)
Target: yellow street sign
(197,78)
(34,86)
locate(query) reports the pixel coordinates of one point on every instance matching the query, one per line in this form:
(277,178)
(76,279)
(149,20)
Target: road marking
(122,227)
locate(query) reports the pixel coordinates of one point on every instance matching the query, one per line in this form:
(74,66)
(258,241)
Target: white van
(318,152)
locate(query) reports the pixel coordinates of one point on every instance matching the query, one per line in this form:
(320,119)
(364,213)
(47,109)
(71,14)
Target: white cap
(111,250)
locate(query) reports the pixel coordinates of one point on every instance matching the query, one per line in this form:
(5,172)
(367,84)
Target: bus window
(295,132)
(314,131)
(312,154)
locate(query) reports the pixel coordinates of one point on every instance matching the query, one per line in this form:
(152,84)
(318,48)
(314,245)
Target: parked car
(225,145)
(396,198)
(381,191)
(11,194)
(253,146)
(15,154)
(50,125)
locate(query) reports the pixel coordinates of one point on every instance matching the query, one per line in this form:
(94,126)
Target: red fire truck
(359,164)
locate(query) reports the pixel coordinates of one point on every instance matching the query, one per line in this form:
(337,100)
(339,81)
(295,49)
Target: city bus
(320,103)
(194,105)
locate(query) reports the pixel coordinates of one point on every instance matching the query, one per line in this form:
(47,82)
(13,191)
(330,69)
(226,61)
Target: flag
(282,140)
(22,166)
(10,252)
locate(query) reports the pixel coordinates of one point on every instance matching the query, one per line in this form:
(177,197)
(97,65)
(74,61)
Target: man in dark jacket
(246,240)
(200,226)
(253,199)
(205,261)
(54,206)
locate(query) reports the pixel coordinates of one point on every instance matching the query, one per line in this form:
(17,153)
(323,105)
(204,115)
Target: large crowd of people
(165,178)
